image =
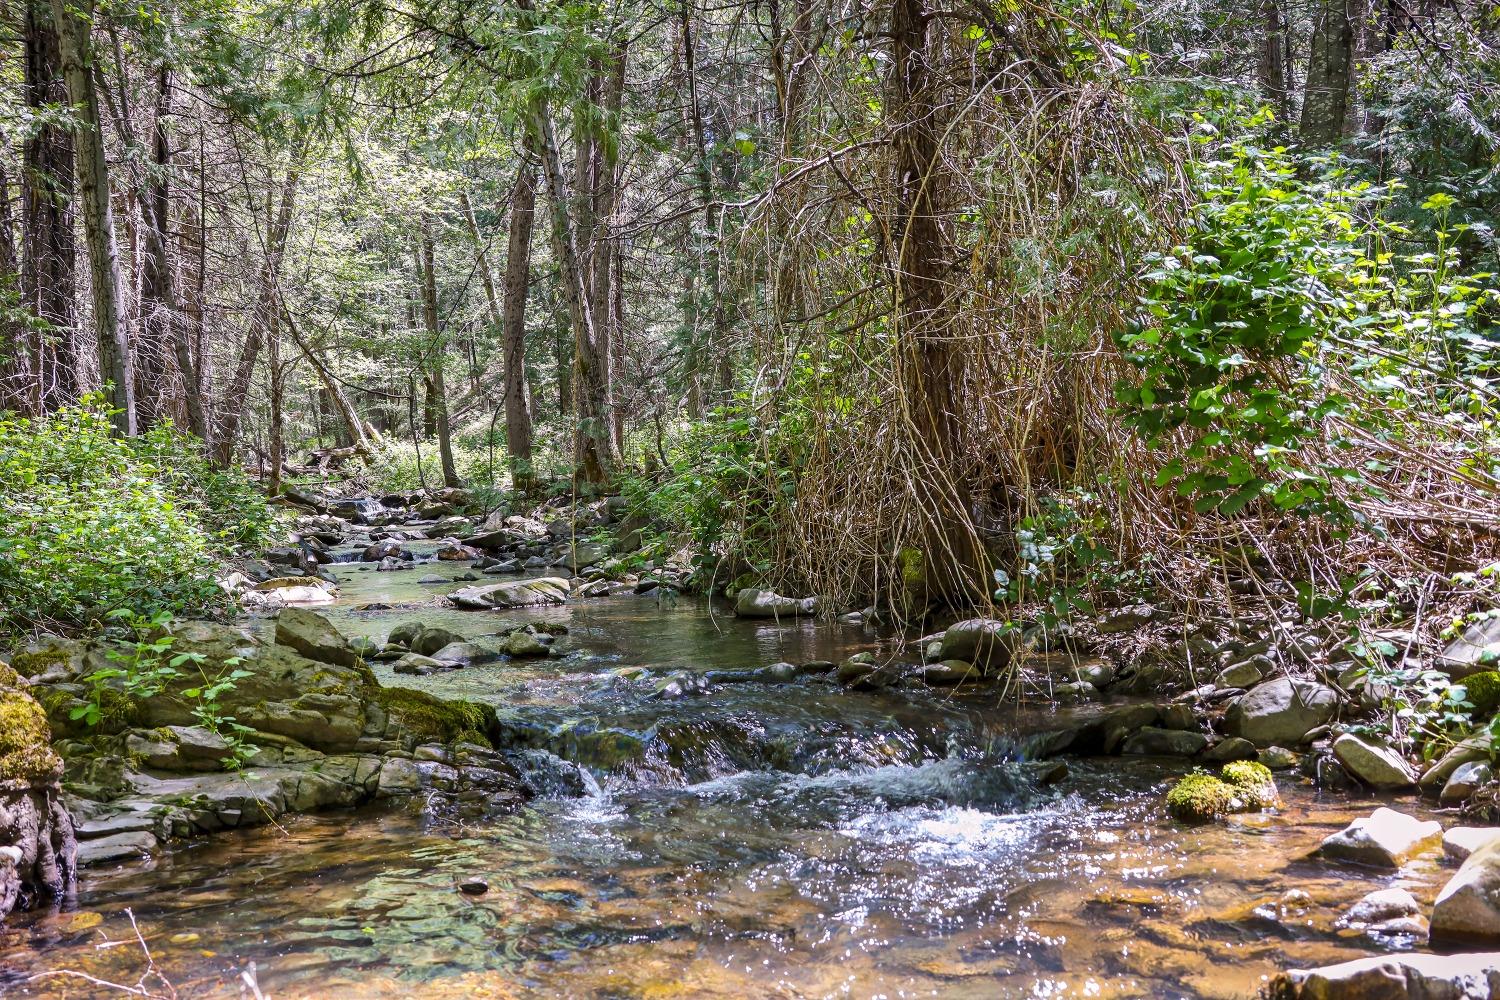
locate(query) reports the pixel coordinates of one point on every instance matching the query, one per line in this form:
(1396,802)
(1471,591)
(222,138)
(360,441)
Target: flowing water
(755,841)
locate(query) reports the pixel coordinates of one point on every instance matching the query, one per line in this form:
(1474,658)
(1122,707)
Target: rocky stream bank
(352,704)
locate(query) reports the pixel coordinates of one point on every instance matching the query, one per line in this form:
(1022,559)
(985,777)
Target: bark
(266,305)
(518,431)
(1330,72)
(595,449)
(276,384)
(1270,70)
(16,378)
(49,251)
(437,390)
(74,27)
(947,561)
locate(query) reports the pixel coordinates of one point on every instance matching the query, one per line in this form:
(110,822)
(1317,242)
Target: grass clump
(430,719)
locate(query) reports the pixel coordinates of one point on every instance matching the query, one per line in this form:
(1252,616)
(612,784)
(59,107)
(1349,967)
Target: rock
(454,552)
(984,642)
(1379,907)
(1244,673)
(1095,672)
(432,578)
(386,548)
(465,653)
(38,850)
(1477,649)
(950,672)
(417,665)
(1075,691)
(1178,717)
(586,554)
(1281,711)
(1384,839)
(392,564)
(291,590)
(118,847)
(1125,619)
(855,667)
(752,603)
(1467,780)
(547,590)
(524,643)
(312,635)
(474,887)
(432,638)
(179,748)
(1230,748)
(503,566)
(405,634)
(680,684)
(1468,908)
(1277,758)
(1470,750)
(1378,766)
(1154,742)
(1462,841)
(1396,977)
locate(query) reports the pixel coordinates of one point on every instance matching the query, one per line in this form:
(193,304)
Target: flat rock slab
(116,847)
(1384,839)
(1396,977)
(547,590)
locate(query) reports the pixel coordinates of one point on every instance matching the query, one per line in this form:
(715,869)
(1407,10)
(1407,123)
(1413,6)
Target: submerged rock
(1384,839)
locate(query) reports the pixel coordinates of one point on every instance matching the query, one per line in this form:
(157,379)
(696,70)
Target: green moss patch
(1243,786)
(432,719)
(1483,690)
(25,741)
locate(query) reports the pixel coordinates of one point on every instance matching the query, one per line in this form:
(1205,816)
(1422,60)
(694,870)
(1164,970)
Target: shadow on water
(756,841)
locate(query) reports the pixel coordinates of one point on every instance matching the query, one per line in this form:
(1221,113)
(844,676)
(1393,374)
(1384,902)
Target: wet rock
(1474,749)
(417,665)
(455,552)
(1384,839)
(1462,841)
(1396,977)
(984,642)
(432,578)
(1281,711)
(1468,908)
(855,667)
(547,590)
(37,846)
(1178,717)
(1155,742)
(1231,748)
(465,654)
(503,566)
(1095,672)
(282,591)
(314,636)
(393,564)
(431,638)
(1467,780)
(753,603)
(1381,907)
(405,634)
(1075,691)
(1278,758)
(474,887)
(1375,765)
(950,672)
(586,554)
(117,847)
(386,548)
(525,643)
(680,685)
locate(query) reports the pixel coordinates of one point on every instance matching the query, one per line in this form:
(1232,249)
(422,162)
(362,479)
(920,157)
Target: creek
(755,841)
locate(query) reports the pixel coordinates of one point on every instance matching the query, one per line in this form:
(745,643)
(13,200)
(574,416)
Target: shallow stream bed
(756,841)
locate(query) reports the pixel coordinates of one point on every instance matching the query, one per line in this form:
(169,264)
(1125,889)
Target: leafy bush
(90,522)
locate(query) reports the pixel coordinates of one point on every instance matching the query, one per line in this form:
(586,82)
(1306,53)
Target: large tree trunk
(595,450)
(74,27)
(436,356)
(945,564)
(518,433)
(48,249)
(1330,75)
(1270,68)
(266,304)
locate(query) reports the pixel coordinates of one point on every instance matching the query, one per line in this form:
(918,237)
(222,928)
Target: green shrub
(90,522)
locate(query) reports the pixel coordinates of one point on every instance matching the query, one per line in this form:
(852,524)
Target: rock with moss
(38,851)
(426,718)
(1242,786)
(1483,691)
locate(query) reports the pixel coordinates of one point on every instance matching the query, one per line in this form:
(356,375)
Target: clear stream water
(757,841)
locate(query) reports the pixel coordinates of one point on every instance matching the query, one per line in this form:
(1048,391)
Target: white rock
(1468,908)
(1384,839)
(1397,977)
(1374,765)
(1462,841)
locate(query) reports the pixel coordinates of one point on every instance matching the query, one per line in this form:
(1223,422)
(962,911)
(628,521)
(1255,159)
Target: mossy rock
(1484,692)
(26,755)
(1242,786)
(430,719)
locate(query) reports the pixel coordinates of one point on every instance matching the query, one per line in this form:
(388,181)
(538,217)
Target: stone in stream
(1125,619)
(1468,779)
(1386,912)
(1470,750)
(1152,741)
(1375,765)
(985,642)
(753,603)
(312,635)
(1281,711)
(524,643)
(1230,748)
(547,590)
(386,548)
(503,566)
(1384,839)
(289,590)
(1468,908)
(1395,977)
(474,887)
(1462,841)
(431,638)
(417,665)
(950,672)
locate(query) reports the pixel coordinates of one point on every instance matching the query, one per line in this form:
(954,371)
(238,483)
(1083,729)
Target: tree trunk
(266,304)
(437,390)
(595,450)
(518,432)
(945,564)
(74,27)
(49,252)
(1330,71)
(359,437)
(276,382)
(1270,69)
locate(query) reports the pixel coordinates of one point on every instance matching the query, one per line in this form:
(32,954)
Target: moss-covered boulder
(426,718)
(38,852)
(1483,690)
(1242,786)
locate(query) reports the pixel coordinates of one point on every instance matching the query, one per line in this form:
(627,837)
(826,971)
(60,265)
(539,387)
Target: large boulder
(1468,908)
(1384,839)
(1282,711)
(547,590)
(312,635)
(753,603)
(1396,977)
(38,852)
(985,642)
(1375,765)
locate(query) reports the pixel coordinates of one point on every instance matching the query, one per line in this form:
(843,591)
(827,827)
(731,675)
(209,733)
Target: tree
(1330,75)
